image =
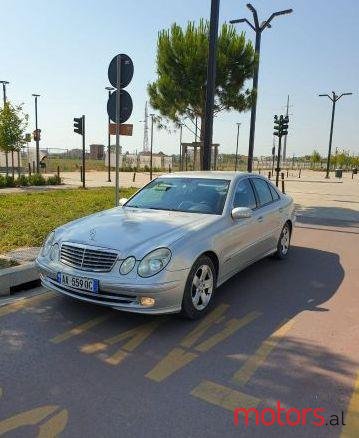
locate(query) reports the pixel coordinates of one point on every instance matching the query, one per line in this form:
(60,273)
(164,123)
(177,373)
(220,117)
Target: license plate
(83,283)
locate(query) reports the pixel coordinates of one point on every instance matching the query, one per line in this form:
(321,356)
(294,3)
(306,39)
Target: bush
(22,181)
(53,180)
(2,181)
(9,181)
(36,180)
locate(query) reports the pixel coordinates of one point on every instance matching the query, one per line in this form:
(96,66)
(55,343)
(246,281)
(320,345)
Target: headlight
(127,265)
(154,262)
(55,252)
(47,245)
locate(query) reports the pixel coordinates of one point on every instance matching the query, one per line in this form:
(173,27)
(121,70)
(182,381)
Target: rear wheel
(283,242)
(199,290)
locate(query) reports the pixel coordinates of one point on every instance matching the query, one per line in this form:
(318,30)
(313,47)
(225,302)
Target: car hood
(133,231)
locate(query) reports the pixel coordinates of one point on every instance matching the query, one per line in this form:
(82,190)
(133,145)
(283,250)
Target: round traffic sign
(125,106)
(126,70)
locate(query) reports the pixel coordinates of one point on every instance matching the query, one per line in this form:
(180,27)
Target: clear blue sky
(61,50)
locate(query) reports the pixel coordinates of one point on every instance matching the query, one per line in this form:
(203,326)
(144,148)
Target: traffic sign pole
(83,152)
(118,103)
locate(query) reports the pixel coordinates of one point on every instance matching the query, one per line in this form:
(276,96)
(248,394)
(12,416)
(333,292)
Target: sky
(61,50)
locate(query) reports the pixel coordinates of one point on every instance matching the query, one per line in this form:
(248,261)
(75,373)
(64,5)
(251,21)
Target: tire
(283,244)
(198,300)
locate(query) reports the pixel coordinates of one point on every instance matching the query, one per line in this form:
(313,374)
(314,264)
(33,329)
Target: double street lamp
(334,98)
(258,29)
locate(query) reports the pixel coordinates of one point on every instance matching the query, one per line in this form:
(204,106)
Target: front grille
(86,258)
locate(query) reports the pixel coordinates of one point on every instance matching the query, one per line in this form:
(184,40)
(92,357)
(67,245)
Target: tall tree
(13,123)
(182,54)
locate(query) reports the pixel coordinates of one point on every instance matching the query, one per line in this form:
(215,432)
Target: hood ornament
(92,234)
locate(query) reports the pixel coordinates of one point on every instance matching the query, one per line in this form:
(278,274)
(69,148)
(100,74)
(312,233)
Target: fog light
(147,301)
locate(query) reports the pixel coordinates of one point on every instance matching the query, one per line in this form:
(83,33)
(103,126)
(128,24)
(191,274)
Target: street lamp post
(152,117)
(235,166)
(211,84)
(334,98)
(258,29)
(37,137)
(180,148)
(110,89)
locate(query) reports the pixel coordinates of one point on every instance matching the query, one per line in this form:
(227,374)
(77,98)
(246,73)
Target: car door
(267,217)
(239,235)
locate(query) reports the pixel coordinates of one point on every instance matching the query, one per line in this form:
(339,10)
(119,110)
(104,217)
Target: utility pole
(236,164)
(37,140)
(285,138)
(4,83)
(211,84)
(109,89)
(258,29)
(180,148)
(151,150)
(334,98)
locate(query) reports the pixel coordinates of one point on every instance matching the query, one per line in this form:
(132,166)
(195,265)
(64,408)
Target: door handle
(260,219)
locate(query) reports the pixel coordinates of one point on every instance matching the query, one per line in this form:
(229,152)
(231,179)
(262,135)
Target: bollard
(300,171)
(287,173)
(269,175)
(282,176)
(134,177)
(29,169)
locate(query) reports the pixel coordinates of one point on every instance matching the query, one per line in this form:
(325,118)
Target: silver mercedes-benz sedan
(171,245)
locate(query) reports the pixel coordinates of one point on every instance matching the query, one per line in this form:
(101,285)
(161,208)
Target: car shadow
(328,216)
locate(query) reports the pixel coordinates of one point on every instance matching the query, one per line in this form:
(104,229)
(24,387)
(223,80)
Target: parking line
(231,327)
(204,325)
(352,417)
(243,375)
(223,396)
(80,329)
(24,302)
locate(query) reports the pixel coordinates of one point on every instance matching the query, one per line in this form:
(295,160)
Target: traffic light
(280,125)
(78,125)
(277,124)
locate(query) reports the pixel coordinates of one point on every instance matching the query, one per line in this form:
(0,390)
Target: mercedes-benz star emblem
(92,234)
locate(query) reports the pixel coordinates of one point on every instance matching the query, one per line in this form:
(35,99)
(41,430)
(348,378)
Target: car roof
(210,174)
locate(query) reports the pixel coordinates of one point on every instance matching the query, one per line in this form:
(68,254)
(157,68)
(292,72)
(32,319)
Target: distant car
(171,245)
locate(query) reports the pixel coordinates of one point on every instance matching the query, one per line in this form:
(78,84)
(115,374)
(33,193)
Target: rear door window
(263,191)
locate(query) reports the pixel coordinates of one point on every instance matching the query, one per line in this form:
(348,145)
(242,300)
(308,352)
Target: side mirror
(241,213)
(122,201)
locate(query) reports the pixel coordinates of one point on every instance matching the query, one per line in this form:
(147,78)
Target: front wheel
(199,289)
(283,242)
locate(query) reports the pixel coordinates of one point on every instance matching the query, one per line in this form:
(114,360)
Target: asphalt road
(281,331)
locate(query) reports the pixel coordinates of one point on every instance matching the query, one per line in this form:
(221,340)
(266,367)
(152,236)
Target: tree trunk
(18,163)
(201,138)
(12,164)
(7,163)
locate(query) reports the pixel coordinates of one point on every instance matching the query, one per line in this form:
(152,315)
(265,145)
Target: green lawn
(26,218)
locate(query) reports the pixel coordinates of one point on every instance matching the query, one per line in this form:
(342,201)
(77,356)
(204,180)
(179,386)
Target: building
(141,160)
(97,151)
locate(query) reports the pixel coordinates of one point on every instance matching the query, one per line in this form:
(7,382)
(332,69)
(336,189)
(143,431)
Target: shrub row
(33,180)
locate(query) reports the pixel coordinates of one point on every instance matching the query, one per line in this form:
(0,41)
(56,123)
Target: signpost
(119,105)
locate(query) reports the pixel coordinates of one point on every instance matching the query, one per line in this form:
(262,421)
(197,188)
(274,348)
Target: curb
(16,276)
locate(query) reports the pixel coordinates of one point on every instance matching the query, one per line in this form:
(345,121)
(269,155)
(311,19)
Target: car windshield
(192,195)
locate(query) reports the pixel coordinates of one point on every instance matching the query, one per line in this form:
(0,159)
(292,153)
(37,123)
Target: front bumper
(167,291)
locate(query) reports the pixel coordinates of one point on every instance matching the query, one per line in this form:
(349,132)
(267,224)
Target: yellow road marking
(223,396)
(231,327)
(51,428)
(175,359)
(212,318)
(80,329)
(25,302)
(351,429)
(136,337)
(243,375)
